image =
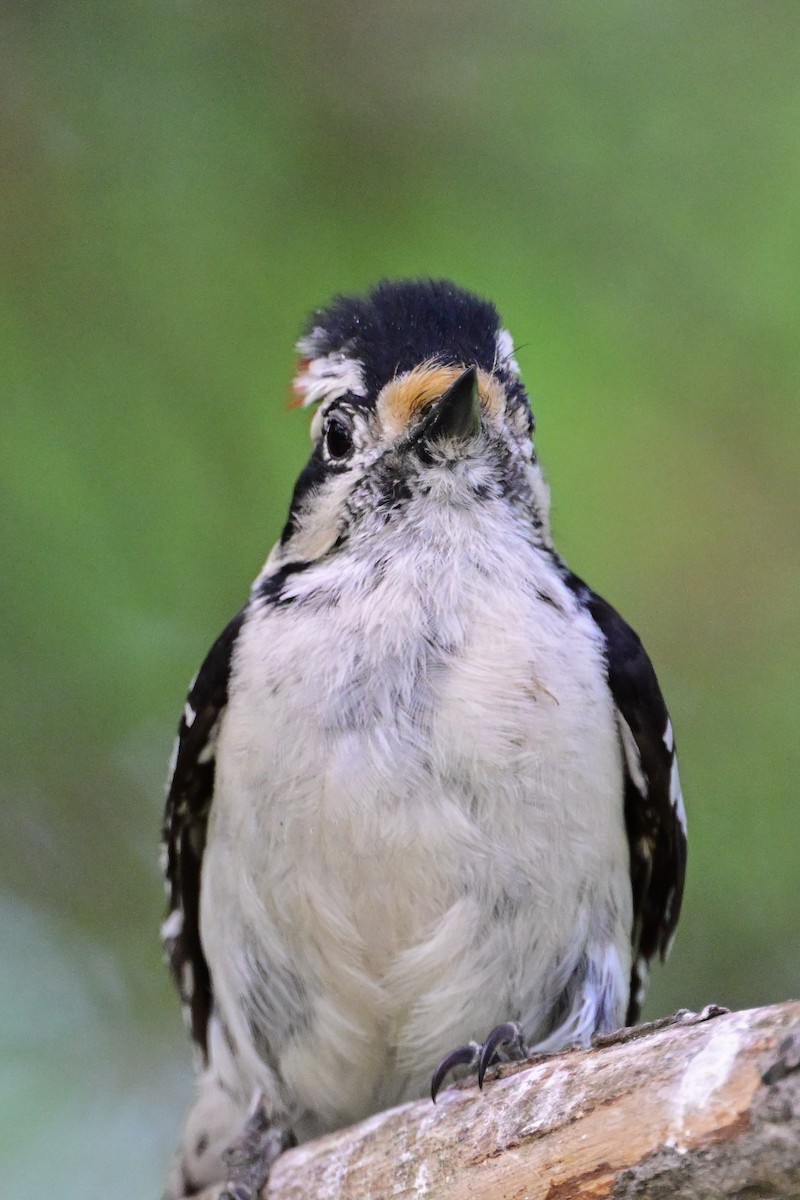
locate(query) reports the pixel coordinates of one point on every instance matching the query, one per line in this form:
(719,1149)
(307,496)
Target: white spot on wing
(669,907)
(669,737)
(210,748)
(675,794)
(188,715)
(173,926)
(665,953)
(632,759)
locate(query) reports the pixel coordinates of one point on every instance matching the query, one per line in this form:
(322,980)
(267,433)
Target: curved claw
(508,1038)
(464,1056)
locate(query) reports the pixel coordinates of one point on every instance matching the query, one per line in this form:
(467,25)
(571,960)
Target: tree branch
(705,1106)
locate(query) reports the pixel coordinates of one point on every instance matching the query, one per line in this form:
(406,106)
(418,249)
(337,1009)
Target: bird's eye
(338,440)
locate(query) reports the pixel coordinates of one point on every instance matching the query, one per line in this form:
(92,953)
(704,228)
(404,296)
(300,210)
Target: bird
(424,812)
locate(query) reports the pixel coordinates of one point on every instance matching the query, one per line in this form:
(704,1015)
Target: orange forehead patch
(408,394)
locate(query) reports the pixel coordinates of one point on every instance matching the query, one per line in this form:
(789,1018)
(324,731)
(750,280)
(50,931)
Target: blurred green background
(181,183)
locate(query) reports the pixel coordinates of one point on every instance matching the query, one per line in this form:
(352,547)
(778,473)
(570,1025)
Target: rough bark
(705,1106)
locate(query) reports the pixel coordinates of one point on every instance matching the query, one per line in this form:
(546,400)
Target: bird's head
(417,393)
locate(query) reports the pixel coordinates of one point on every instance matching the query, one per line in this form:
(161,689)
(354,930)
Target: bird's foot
(504,1043)
(249,1159)
(684,1016)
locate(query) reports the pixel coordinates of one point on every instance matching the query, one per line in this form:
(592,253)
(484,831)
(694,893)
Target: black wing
(189,797)
(654,813)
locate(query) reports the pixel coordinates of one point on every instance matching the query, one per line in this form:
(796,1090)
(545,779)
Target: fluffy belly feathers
(451,804)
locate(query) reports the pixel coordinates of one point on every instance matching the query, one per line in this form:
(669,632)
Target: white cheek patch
(326,376)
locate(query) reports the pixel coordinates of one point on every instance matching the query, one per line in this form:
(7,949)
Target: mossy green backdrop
(182,181)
